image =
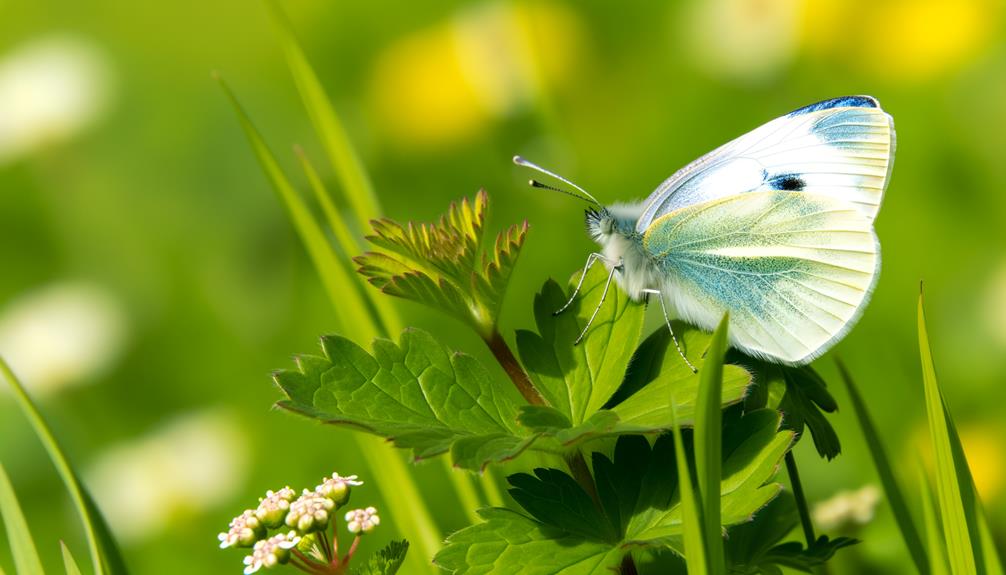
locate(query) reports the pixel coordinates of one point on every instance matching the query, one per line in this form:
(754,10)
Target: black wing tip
(840,102)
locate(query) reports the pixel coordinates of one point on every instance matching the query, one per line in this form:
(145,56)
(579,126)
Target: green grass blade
(22,547)
(341,153)
(993,563)
(896,497)
(491,489)
(386,314)
(695,548)
(464,488)
(985,550)
(709,446)
(934,533)
(349,306)
(105,555)
(68,561)
(950,493)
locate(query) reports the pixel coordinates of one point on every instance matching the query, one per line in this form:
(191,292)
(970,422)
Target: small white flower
(272,508)
(244,530)
(309,512)
(337,488)
(847,508)
(362,520)
(270,552)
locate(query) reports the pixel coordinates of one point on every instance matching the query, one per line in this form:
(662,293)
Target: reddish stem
(513,369)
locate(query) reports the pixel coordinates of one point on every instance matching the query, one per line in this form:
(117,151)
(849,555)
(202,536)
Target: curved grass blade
(934,536)
(895,496)
(350,308)
(68,561)
(345,162)
(22,547)
(692,536)
(951,494)
(105,554)
(709,446)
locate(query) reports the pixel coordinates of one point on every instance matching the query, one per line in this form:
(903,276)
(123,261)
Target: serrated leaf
(22,546)
(415,393)
(799,393)
(387,561)
(442,264)
(640,505)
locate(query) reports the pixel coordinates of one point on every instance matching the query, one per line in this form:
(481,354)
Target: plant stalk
(801,499)
(513,369)
(628,566)
(581,472)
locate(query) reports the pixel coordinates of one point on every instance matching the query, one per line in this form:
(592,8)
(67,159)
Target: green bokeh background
(162,203)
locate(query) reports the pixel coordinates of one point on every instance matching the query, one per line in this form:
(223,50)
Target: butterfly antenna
(534,183)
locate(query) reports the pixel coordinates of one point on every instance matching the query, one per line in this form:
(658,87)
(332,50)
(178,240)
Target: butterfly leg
(604,295)
(590,261)
(667,320)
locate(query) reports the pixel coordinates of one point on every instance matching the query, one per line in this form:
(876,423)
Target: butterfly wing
(795,270)
(843,148)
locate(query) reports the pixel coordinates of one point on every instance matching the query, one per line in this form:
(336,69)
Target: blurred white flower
(61,335)
(847,508)
(741,39)
(50,89)
(185,467)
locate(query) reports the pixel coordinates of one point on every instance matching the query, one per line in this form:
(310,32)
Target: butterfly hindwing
(842,148)
(794,269)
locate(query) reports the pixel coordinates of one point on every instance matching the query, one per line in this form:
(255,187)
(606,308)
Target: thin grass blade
(341,153)
(709,446)
(694,544)
(105,554)
(68,562)
(950,493)
(937,558)
(350,308)
(22,547)
(895,496)
(985,550)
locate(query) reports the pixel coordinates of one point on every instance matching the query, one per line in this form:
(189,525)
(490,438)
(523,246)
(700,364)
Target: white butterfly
(775,227)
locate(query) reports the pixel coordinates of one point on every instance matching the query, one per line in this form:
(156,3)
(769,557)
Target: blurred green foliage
(160,202)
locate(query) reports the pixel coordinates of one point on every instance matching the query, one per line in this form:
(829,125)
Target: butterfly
(774,228)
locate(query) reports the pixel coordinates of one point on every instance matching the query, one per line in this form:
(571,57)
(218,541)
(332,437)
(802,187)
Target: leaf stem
(578,466)
(513,369)
(628,566)
(801,499)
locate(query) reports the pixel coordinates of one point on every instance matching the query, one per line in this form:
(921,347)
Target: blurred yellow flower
(50,89)
(904,40)
(741,39)
(61,335)
(983,450)
(187,466)
(444,84)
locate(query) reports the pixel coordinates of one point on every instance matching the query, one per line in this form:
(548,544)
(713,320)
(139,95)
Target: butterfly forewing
(841,148)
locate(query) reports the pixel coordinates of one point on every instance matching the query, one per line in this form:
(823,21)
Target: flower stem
(307,564)
(801,499)
(513,369)
(628,566)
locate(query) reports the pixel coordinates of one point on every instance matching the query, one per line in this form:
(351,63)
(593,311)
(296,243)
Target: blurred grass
(162,203)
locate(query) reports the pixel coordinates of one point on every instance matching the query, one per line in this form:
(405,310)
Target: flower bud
(244,530)
(273,508)
(310,512)
(337,488)
(271,552)
(362,520)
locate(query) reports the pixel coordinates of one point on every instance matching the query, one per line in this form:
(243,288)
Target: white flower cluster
(362,520)
(244,530)
(270,552)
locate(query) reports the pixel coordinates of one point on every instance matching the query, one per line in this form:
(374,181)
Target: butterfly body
(774,228)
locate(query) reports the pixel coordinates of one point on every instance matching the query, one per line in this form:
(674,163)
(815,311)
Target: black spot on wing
(843,102)
(787,182)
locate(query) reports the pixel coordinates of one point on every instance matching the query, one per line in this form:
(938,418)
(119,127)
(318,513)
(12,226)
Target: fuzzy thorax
(614,229)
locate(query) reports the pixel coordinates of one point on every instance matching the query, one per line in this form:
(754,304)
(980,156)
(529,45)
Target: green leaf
(105,554)
(341,153)
(68,561)
(959,522)
(415,393)
(895,496)
(387,561)
(22,546)
(693,544)
(640,504)
(442,264)
(350,307)
(936,547)
(509,542)
(708,446)
(800,393)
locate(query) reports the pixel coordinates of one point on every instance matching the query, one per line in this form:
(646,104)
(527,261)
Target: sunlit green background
(150,280)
